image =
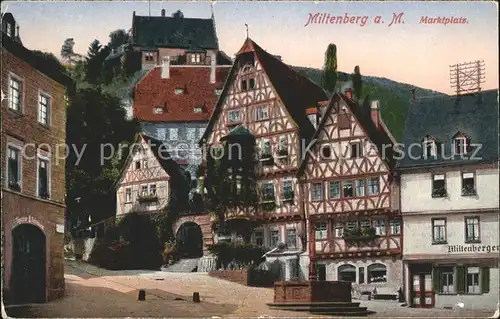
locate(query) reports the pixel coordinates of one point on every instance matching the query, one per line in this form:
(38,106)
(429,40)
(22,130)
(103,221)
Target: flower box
(148,198)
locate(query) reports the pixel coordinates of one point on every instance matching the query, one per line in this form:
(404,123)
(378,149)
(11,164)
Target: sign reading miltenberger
(473,248)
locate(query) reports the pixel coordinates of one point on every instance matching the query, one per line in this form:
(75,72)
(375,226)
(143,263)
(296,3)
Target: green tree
(357,83)
(96,125)
(67,48)
(330,75)
(117,38)
(178,14)
(50,60)
(96,56)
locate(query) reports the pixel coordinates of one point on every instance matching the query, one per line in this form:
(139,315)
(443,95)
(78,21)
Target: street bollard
(196,297)
(142,295)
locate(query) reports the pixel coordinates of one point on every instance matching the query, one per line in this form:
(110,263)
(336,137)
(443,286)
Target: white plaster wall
(417,232)
(416,192)
(486,301)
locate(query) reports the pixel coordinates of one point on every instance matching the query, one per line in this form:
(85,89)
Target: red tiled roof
(152,91)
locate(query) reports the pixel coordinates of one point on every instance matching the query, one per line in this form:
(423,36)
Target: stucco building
(449,201)
(33,178)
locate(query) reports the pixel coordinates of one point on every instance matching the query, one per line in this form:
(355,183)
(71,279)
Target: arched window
(377,273)
(461,144)
(347,273)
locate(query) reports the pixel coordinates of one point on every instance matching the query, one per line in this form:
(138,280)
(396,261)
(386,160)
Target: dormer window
(429,146)
(9,30)
(158,110)
(148,56)
(460,144)
(179,91)
(218,92)
(198,109)
(195,58)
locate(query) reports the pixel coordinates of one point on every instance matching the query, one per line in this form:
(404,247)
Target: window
(268,192)
(144,190)
(191,133)
(15,94)
(43,109)
(360,188)
(365,224)
(258,237)
(262,113)
(138,165)
(287,191)
(14,169)
(447,276)
(244,85)
(460,145)
(339,230)
(347,273)
(291,238)
(152,189)
(145,163)
(438,230)
(429,146)
(334,191)
(9,29)
(373,186)
(379,225)
(320,231)
(148,56)
(218,92)
(326,152)
(468,184)
(317,191)
(283,146)
(265,147)
(158,110)
(173,134)
(473,280)
(198,109)
(275,237)
(377,273)
(356,150)
(472,230)
(161,133)
(128,195)
(179,91)
(251,83)
(347,189)
(351,225)
(395,226)
(321,271)
(438,186)
(234,116)
(43,178)
(195,58)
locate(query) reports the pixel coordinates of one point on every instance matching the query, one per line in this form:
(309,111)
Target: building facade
(449,202)
(350,198)
(33,177)
(267,100)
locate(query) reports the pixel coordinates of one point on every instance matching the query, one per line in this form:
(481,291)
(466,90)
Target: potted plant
(148,198)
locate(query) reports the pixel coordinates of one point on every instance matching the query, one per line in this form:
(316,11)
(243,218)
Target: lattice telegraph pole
(467,77)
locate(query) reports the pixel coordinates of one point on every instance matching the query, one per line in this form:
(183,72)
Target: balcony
(147,198)
(359,236)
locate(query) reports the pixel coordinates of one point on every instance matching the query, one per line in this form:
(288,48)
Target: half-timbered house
(149,178)
(350,198)
(266,98)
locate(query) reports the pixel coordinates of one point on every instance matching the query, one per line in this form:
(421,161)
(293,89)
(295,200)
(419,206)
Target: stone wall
(202,220)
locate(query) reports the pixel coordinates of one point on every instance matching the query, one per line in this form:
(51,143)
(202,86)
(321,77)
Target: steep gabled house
(265,98)
(449,201)
(350,198)
(150,180)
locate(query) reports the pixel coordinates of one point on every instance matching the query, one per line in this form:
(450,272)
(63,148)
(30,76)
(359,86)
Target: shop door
(422,294)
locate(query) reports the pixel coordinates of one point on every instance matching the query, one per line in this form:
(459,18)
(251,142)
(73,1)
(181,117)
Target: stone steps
(323,308)
(184,265)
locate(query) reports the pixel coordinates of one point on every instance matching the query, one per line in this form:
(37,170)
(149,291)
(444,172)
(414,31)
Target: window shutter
(460,281)
(485,280)
(436,278)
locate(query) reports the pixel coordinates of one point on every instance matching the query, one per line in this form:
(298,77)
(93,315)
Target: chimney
(375,113)
(163,12)
(348,93)
(212,69)
(278,57)
(165,67)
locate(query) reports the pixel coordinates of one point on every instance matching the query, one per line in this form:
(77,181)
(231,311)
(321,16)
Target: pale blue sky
(411,52)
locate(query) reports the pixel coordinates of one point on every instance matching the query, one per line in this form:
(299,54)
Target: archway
(28,264)
(190,240)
